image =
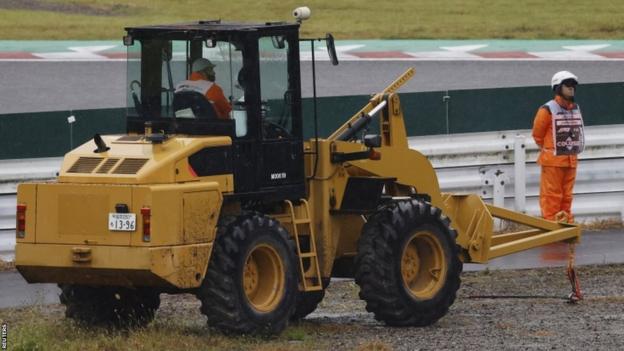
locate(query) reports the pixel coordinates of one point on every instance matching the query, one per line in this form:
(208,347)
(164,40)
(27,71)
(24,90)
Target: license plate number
(122,222)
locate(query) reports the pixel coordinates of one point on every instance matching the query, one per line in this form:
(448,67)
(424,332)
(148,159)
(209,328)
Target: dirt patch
(6,266)
(603,225)
(68,7)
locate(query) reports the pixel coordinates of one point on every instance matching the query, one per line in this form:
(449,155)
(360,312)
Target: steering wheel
(273,130)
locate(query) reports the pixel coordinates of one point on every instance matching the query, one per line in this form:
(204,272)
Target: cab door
(280,100)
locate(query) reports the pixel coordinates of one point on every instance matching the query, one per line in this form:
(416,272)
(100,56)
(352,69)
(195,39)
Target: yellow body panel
(173,222)
(165,163)
(473,223)
(326,190)
(182,266)
(77,214)
(67,236)
(350,229)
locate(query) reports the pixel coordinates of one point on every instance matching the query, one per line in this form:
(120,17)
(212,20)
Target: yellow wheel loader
(240,210)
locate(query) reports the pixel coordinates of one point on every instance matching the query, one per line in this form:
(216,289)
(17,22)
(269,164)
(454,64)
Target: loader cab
(257,68)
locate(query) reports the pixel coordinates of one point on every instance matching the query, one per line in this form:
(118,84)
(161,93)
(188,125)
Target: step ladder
(302,227)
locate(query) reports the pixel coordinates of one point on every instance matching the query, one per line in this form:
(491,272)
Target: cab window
(275,92)
(156,67)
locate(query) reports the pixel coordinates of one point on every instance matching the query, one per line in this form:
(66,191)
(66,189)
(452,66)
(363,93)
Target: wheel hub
(423,265)
(250,281)
(263,278)
(410,263)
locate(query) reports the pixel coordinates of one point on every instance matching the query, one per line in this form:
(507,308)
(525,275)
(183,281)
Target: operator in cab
(202,80)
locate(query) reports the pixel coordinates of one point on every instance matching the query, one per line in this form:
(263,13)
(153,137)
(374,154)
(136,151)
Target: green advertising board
(48,134)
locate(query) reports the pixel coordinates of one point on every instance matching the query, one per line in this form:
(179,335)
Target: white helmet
(560,76)
(201,64)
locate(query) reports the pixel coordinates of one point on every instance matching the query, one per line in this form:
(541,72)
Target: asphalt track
(31,86)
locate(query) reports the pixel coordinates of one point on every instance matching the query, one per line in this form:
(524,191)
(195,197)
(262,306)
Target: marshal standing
(558,131)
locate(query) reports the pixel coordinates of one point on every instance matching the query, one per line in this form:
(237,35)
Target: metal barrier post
(447,99)
(499,190)
(520,173)
(497,179)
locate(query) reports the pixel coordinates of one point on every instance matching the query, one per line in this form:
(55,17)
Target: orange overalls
(558,172)
(215,95)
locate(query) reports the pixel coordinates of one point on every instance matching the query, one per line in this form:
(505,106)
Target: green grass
(44,328)
(346,19)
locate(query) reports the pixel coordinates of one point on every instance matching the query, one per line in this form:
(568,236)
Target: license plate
(123,222)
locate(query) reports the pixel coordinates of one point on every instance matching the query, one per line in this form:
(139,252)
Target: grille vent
(130,166)
(85,165)
(107,166)
(130,138)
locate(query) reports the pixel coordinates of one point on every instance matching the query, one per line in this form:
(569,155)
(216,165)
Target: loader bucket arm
(472,218)
(374,101)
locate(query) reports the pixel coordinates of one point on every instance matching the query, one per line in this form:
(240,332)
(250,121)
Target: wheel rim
(423,266)
(263,278)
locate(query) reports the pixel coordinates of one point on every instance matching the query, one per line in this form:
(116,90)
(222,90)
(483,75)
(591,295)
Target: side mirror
(331,49)
(372,140)
(128,40)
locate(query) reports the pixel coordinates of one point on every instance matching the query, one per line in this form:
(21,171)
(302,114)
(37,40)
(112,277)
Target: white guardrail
(500,166)
(13,172)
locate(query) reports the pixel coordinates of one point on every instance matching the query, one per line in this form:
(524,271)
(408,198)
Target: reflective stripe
(567,129)
(200,86)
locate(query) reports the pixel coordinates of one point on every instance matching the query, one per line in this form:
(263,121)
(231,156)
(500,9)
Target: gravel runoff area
(495,310)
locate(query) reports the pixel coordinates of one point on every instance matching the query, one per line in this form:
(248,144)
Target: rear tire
(106,306)
(407,265)
(251,283)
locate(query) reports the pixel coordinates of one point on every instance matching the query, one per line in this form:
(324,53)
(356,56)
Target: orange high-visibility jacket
(543,136)
(215,95)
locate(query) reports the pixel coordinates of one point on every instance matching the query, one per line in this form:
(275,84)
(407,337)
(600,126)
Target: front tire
(251,284)
(407,265)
